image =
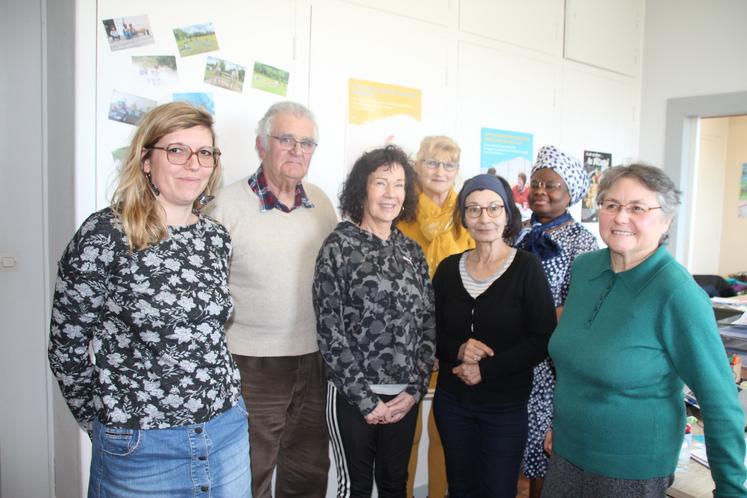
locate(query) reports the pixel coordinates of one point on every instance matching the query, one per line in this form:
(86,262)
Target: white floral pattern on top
(154,321)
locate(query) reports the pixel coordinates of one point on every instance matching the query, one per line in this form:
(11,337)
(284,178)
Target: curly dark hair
(355,189)
(513,216)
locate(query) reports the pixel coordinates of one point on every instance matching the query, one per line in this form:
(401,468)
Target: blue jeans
(209,460)
(483,445)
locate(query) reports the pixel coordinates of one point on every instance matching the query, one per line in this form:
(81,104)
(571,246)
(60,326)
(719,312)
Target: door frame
(681,147)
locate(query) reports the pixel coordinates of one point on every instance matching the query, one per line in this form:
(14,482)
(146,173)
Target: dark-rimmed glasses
(288,142)
(633,209)
(179,154)
(475,211)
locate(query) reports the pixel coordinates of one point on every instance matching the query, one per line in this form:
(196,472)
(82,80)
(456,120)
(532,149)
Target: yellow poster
(369,101)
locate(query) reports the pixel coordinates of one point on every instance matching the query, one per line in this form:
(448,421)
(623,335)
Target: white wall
(693,56)
(691,48)
(474,67)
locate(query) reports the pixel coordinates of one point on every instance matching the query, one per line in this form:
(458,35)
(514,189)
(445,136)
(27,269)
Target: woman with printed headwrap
(557,182)
(494,316)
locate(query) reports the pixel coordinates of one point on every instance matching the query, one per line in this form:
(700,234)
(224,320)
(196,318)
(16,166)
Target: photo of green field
(270,79)
(196,39)
(224,74)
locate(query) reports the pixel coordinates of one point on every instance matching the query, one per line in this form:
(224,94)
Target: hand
(548,442)
(473,351)
(399,406)
(469,373)
(435,365)
(379,415)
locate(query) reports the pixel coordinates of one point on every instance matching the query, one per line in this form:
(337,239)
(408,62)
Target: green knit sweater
(624,346)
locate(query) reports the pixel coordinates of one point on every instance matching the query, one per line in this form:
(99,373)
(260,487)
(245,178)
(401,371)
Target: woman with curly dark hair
(494,316)
(374,308)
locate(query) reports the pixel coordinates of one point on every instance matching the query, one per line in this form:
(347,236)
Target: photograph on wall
(270,79)
(225,74)
(127,108)
(156,70)
(128,32)
(742,213)
(594,163)
(119,155)
(507,152)
(380,114)
(196,39)
(204,100)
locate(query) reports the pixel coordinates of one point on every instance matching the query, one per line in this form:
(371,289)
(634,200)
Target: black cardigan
(514,316)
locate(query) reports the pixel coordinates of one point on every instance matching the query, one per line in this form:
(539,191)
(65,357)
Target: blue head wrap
(484,182)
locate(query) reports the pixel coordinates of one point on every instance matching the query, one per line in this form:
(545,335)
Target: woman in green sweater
(635,328)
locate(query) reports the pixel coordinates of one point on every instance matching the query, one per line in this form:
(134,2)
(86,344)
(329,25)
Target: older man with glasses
(277,223)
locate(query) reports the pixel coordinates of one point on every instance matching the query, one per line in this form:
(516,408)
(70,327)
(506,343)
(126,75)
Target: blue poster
(509,152)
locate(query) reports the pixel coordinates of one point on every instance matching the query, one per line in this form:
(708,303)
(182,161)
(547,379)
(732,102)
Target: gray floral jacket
(154,322)
(374,311)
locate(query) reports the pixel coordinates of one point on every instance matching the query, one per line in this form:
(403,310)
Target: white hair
(264,126)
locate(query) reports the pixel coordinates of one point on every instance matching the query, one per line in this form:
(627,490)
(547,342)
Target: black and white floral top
(374,314)
(153,320)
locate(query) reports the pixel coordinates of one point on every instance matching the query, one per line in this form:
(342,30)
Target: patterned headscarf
(569,168)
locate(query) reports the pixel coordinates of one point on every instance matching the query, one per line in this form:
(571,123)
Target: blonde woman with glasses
(144,285)
(434,229)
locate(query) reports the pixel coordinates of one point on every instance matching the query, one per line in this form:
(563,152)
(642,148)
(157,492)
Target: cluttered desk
(693,477)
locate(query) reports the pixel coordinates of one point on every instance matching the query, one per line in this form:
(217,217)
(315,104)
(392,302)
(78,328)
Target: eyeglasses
(180,154)
(475,211)
(548,186)
(288,142)
(633,209)
(433,164)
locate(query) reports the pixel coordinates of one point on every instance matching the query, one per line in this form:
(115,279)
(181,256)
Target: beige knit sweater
(272,269)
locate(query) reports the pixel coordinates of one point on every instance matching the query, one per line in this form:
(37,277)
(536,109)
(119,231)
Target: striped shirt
(476,287)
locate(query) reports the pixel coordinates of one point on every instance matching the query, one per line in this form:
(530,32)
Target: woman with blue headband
(494,316)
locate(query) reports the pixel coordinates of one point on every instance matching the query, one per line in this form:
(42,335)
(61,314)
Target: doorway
(718,214)
(680,158)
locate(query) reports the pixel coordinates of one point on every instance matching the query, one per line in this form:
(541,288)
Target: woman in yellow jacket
(434,229)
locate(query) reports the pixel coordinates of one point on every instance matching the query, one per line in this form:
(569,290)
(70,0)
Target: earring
(204,199)
(153,187)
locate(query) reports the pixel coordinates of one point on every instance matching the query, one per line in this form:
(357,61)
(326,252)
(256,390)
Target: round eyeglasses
(180,154)
(447,166)
(475,211)
(288,142)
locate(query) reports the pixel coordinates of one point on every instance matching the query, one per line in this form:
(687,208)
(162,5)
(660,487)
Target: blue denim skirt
(200,460)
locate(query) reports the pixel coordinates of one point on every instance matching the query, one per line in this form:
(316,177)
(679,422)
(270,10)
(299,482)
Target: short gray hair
(652,177)
(264,126)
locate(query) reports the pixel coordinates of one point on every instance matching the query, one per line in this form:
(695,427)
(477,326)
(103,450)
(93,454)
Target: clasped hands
(392,411)
(470,353)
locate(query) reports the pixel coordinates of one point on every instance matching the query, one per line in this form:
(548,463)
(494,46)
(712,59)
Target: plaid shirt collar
(268,200)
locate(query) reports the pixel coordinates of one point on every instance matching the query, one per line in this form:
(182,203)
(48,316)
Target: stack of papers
(698,451)
(736,302)
(734,334)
